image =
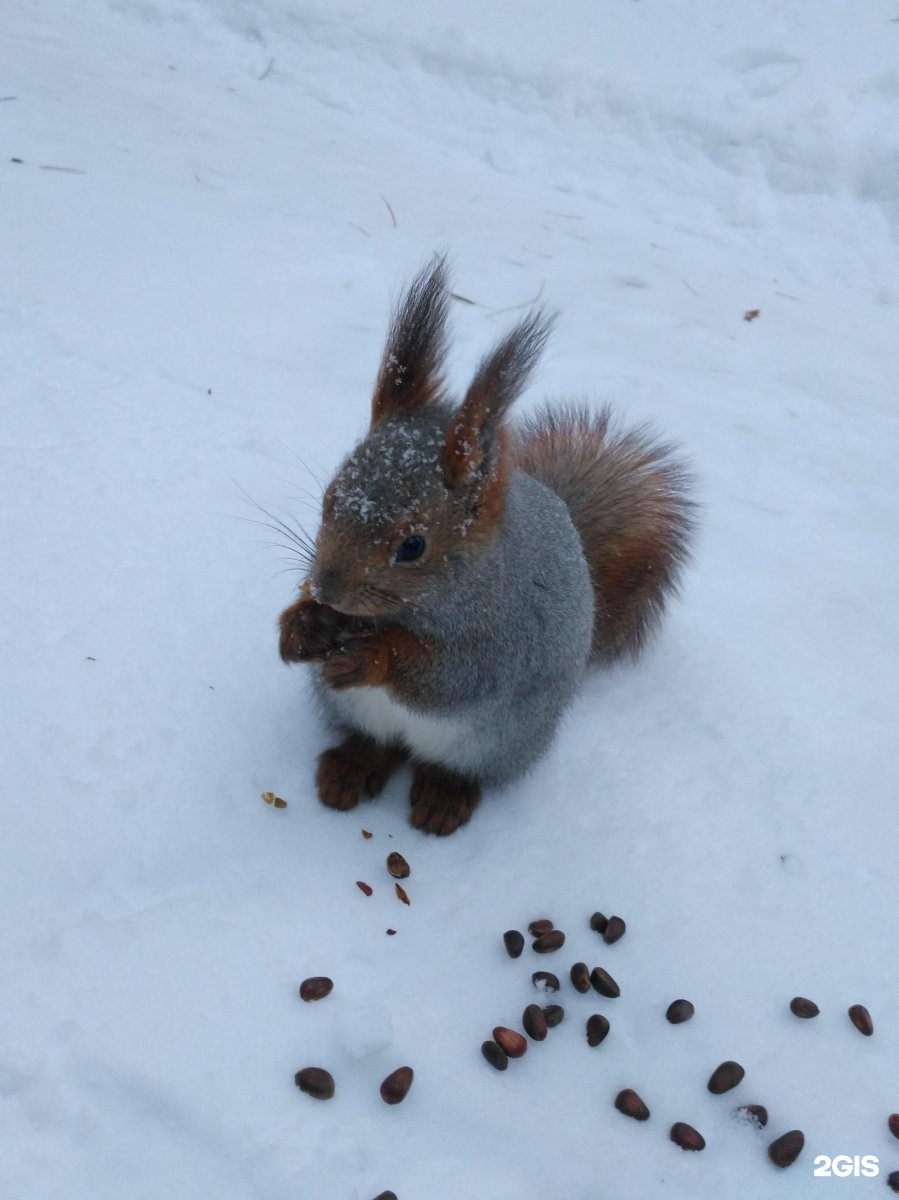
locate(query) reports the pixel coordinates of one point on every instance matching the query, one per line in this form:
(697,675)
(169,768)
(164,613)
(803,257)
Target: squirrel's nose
(328,585)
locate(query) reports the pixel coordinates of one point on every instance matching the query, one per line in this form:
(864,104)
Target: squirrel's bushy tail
(627,496)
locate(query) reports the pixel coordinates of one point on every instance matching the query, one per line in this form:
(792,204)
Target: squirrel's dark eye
(413,547)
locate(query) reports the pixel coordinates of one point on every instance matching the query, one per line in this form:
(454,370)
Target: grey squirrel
(467,571)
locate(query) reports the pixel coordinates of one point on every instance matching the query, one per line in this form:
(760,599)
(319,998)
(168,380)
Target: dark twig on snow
(496,312)
(389,209)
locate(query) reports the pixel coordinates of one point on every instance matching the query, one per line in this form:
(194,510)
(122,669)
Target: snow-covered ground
(206,208)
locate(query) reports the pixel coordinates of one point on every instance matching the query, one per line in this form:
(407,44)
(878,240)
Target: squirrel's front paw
(359,662)
(310,631)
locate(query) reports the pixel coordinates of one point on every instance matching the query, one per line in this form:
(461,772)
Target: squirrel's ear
(499,380)
(410,375)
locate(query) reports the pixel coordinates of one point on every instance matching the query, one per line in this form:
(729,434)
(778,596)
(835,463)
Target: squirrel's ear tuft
(499,380)
(410,375)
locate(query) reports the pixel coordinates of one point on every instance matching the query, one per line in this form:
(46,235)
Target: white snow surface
(216,203)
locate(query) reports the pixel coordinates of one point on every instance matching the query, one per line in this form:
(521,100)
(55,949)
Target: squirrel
(467,571)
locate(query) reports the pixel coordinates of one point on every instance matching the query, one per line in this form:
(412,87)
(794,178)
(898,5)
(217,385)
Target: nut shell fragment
(271,798)
(397,866)
(546,980)
(756,1113)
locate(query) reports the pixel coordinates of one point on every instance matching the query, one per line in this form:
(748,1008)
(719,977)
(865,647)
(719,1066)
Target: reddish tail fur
(627,497)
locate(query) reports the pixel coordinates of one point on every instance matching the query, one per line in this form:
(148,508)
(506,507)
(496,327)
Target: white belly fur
(375,712)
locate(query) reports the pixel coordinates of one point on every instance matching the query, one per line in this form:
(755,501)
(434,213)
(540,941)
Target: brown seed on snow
(597,1028)
(514,942)
(756,1113)
(554,1014)
(629,1103)
(316,987)
(599,921)
(396,1086)
(893,1123)
(538,928)
(316,1082)
(510,1041)
(580,977)
(364,887)
(614,930)
(800,1006)
(784,1150)
(861,1019)
(495,1055)
(893,1181)
(534,1022)
(686,1136)
(546,980)
(367,833)
(604,983)
(679,1011)
(724,1077)
(386,1196)
(397,866)
(546,943)
(402,894)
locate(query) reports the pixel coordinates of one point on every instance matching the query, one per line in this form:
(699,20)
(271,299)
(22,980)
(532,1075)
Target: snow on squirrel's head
(424,491)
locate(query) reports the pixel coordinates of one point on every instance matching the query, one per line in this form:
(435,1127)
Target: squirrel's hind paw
(357,769)
(441,799)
